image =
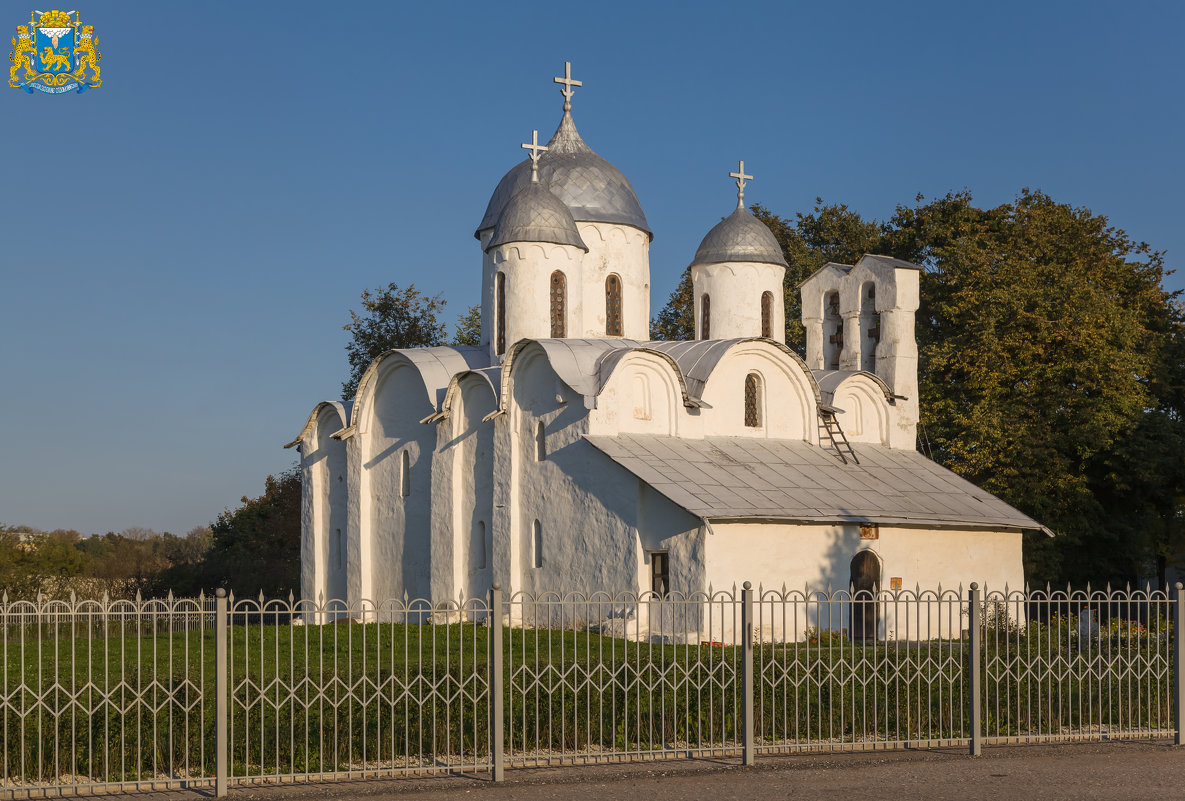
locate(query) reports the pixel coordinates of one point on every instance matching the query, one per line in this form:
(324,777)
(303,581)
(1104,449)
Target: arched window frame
(558,294)
(500,313)
(613,306)
(767,314)
(705,316)
(753,400)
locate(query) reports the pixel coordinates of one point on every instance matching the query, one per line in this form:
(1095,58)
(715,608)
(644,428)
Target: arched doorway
(865,583)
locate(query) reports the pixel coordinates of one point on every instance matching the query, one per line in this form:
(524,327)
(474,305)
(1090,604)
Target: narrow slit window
(500,313)
(705,317)
(537,544)
(540,442)
(558,304)
(753,400)
(613,306)
(660,574)
(767,303)
(477,547)
(405,474)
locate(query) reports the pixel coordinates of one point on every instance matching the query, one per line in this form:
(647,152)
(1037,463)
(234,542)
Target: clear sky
(179,248)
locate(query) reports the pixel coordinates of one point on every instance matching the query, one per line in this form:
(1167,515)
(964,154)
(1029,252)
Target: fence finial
(220,593)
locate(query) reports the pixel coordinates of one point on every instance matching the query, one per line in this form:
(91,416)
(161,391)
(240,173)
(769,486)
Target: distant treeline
(254,548)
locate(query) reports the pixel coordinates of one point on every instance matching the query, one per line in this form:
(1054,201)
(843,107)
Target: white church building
(569,453)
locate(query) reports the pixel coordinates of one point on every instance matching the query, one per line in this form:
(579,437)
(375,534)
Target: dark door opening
(865,584)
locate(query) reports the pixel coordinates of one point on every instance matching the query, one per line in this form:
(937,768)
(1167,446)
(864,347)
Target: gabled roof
(751,478)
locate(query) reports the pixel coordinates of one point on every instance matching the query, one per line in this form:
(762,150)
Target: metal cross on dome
(568,83)
(740,176)
(536,150)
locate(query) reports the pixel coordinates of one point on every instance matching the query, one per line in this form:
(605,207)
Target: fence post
(497,712)
(747,671)
(974,658)
(1179,660)
(220,682)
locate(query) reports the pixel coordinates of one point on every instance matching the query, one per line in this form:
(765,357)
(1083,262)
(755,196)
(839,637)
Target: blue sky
(179,249)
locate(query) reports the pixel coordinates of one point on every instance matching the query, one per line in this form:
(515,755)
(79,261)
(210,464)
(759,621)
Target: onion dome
(739,237)
(535,214)
(592,188)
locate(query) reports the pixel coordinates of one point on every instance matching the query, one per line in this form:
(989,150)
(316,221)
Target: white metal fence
(217,691)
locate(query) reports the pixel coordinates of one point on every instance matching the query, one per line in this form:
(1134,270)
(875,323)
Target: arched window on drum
(705,324)
(559,302)
(767,312)
(500,313)
(613,324)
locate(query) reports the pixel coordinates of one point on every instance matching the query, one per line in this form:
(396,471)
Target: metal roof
(743,477)
(535,214)
(592,188)
(739,237)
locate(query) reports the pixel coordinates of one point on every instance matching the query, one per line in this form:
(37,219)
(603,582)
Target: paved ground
(1041,773)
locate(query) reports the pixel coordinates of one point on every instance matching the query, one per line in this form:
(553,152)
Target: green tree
(1041,332)
(256,547)
(469,327)
(394,317)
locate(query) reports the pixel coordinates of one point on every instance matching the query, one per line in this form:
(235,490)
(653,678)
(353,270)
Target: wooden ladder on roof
(839,440)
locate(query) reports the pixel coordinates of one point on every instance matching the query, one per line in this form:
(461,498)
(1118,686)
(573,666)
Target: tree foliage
(256,547)
(1051,365)
(469,326)
(392,317)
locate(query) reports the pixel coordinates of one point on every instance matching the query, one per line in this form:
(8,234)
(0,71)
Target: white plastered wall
(323,509)
(394,549)
(786,401)
(642,396)
(527,268)
(867,415)
(465,454)
(624,250)
(598,521)
(735,289)
(818,556)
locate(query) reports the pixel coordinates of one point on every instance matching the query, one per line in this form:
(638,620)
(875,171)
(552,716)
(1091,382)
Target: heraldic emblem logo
(54,53)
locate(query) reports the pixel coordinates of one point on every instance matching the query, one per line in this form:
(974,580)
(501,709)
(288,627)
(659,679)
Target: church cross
(740,176)
(536,149)
(568,83)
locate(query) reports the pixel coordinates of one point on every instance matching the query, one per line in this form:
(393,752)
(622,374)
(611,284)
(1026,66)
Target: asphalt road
(1135,770)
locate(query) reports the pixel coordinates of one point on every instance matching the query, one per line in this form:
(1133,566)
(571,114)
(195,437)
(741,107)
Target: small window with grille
(767,303)
(613,306)
(660,573)
(558,304)
(753,400)
(705,325)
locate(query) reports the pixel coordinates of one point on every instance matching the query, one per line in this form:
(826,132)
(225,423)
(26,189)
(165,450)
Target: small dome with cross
(739,237)
(535,214)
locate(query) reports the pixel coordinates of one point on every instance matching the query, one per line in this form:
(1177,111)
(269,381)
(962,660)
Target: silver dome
(592,188)
(535,214)
(739,237)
